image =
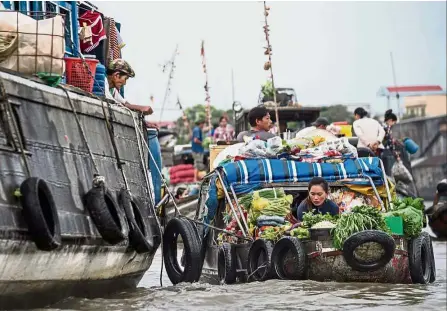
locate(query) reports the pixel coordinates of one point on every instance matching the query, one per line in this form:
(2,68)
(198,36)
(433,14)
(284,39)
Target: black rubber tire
(191,271)
(40,213)
(226,264)
(420,261)
(432,257)
(139,238)
(106,215)
(260,250)
(359,238)
(284,246)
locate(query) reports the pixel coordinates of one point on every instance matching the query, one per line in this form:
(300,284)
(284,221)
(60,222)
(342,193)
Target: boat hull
(325,264)
(56,152)
(72,270)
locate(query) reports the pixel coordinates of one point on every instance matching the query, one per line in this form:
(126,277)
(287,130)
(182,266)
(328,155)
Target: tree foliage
(196,113)
(337,113)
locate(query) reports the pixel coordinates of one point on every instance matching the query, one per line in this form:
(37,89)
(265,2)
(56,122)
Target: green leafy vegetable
(310,219)
(361,218)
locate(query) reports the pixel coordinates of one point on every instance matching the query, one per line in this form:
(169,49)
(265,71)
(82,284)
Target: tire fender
(282,248)
(106,215)
(40,213)
(226,264)
(420,260)
(138,227)
(192,252)
(259,255)
(359,238)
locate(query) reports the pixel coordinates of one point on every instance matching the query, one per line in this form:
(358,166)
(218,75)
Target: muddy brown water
(271,295)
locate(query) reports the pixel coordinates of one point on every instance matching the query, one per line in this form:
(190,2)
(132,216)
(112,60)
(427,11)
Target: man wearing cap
(320,123)
(118,72)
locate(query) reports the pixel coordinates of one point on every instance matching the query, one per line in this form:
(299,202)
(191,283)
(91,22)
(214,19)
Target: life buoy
(106,215)
(192,253)
(289,259)
(138,227)
(362,237)
(260,266)
(40,213)
(226,264)
(420,260)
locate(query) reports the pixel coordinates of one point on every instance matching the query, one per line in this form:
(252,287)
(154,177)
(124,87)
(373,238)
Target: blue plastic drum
(411,146)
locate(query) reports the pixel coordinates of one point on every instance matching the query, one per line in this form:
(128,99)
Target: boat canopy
(246,175)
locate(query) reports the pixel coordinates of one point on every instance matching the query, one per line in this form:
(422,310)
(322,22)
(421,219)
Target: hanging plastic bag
(401,173)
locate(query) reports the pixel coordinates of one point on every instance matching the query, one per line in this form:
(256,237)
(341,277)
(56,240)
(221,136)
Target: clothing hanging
(92,31)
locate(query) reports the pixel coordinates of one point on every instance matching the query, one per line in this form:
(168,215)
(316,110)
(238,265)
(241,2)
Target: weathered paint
(58,154)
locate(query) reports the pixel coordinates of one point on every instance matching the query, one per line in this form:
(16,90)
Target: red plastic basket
(78,75)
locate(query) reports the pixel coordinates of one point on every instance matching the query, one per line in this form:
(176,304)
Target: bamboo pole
(207,94)
(268,52)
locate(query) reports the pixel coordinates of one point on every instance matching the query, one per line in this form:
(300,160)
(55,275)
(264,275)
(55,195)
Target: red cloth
(181,180)
(94,20)
(182,174)
(180,167)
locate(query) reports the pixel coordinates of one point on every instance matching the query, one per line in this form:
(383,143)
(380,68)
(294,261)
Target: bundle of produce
(411,211)
(270,221)
(310,219)
(182,173)
(324,225)
(361,218)
(300,233)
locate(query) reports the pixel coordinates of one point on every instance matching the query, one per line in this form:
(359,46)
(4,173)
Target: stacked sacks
(183,173)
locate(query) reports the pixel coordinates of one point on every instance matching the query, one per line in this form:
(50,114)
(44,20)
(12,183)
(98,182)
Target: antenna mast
(170,63)
(268,64)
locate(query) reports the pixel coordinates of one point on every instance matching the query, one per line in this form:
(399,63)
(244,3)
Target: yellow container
(214,152)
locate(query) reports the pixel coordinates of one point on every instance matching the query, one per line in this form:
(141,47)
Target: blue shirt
(197,133)
(328,207)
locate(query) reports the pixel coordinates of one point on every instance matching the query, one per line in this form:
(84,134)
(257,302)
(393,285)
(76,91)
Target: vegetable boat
(248,233)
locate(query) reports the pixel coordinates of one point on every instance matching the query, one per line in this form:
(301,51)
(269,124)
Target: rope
(264,265)
(95,166)
(110,129)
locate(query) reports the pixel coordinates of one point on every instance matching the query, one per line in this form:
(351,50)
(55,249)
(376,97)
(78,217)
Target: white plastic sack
(44,38)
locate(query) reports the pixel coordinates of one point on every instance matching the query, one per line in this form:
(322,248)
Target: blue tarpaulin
(246,175)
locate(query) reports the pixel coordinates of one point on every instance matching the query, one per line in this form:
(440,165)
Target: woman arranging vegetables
(317,200)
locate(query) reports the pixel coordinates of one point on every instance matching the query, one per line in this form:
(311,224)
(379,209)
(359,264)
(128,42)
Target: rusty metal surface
(327,264)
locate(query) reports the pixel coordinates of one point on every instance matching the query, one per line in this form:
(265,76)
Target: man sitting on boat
(118,72)
(321,124)
(259,118)
(317,201)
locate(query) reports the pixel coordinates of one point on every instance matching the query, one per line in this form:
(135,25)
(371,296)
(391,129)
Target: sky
(329,52)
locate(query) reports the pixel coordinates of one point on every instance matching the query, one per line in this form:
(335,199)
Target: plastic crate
(77,72)
(396,224)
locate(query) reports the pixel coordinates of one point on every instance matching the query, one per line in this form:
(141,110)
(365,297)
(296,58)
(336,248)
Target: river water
(272,295)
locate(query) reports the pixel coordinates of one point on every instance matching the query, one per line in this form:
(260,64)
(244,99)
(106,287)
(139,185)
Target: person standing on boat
(224,131)
(259,118)
(118,71)
(368,130)
(317,200)
(390,120)
(197,148)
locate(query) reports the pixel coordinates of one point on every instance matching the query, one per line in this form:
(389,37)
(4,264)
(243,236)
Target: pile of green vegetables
(310,219)
(361,218)
(412,213)
(268,202)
